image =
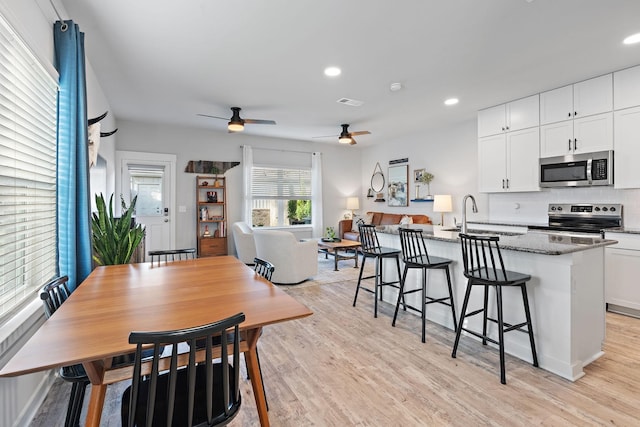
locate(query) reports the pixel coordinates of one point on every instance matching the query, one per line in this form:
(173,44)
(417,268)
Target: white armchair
(294,261)
(243,240)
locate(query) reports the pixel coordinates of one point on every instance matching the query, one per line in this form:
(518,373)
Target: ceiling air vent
(351,102)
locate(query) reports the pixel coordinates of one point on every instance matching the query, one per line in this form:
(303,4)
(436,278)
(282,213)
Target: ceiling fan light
(344,139)
(236,127)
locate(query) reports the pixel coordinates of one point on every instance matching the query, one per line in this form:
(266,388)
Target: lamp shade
(353,203)
(442,203)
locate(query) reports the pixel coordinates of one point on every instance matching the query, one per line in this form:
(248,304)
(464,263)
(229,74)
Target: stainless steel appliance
(582,219)
(577,170)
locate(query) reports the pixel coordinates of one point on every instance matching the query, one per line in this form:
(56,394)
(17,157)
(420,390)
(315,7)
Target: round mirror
(377,182)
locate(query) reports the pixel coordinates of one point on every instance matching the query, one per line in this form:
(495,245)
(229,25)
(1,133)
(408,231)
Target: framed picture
(417,174)
(398,188)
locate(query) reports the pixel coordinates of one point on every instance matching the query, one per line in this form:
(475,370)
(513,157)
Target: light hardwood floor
(342,367)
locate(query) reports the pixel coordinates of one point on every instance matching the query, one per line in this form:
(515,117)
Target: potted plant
(426,178)
(114,240)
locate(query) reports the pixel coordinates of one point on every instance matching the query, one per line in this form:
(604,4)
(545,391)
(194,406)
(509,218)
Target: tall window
(28,98)
(280,196)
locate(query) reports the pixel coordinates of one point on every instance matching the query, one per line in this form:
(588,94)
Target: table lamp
(353,204)
(442,204)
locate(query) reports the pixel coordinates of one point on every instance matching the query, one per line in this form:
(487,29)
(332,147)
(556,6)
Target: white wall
(341,167)
(449,154)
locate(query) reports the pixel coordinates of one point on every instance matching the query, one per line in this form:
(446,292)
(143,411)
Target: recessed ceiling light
(451,101)
(634,38)
(332,71)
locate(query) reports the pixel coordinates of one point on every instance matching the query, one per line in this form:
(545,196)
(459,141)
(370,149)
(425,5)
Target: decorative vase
(418,191)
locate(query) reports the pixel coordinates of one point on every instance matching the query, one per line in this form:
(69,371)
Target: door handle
(569,144)
(575,144)
(166,220)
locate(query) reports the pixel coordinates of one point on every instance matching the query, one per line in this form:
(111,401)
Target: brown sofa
(379,218)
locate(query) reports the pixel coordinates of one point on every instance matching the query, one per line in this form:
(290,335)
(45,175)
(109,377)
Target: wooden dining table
(92,327)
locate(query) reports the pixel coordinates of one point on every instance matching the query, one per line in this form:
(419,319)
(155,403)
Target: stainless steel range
(582,218)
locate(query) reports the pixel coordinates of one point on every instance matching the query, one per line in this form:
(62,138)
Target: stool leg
(400,295)
(525,299)
(503,376)
(424,303)
(453,309)
(484,314)
(404,303)
(380,275)
(364,258)
(462,316)
(376,288)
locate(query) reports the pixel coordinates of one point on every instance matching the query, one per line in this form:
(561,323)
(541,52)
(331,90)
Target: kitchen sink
(472,231)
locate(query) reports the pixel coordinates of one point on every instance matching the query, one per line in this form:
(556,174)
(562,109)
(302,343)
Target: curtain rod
(64,25)
(280,149)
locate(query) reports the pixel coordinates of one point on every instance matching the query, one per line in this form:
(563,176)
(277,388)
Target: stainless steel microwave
(577,170)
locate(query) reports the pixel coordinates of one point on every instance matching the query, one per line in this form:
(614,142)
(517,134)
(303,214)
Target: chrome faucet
(474,208)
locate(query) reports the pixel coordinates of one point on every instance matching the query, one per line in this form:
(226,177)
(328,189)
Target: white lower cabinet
(509,162)
(622,270)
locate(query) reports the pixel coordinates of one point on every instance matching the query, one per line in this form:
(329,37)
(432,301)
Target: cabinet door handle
(503,128)
(569,144)
(575,144)
(507,182)
(569,114)
(503,184)
(507,127)
(575,113)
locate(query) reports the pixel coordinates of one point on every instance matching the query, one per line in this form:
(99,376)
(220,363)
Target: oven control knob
(605,209)
(553,208)
(597,209)
(612,209)
(559,208)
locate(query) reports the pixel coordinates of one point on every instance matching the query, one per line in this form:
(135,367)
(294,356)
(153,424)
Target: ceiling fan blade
(361,132)
(260,122)
(326,136)
(353,141)
(213,117)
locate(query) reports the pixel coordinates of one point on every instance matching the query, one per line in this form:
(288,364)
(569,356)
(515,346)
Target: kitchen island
(566,293)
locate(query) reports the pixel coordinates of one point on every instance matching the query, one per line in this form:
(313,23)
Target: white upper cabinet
(516,115)
(626,88)
(627,148)
(509,162)
(584,135)
(593,96)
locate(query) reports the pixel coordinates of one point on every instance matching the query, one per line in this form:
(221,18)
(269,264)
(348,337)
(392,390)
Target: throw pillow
(405,220)
(360,219)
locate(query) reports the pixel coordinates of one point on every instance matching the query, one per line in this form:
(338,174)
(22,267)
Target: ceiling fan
(236,123)
(345,136)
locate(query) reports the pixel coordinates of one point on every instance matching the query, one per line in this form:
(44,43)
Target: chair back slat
(170,255)
(368,237)
(263,268)
(53,294)
(414,249)
(166,388)
(482,258)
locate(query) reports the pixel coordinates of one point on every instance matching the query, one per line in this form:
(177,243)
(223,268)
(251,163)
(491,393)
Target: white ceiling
(167,60)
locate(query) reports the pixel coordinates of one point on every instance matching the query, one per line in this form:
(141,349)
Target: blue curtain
(74,225)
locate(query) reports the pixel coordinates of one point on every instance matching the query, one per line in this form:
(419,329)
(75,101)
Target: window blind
(281,183)
(28,104)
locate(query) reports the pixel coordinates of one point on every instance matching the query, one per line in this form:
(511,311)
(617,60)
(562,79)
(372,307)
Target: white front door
(150,177)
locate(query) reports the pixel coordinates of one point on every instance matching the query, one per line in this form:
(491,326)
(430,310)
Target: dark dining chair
(203,393)
(265,269)
(172,255)
(53,294)
(484,267)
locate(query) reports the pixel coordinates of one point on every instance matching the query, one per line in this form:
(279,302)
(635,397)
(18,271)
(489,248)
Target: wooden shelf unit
(211,207)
